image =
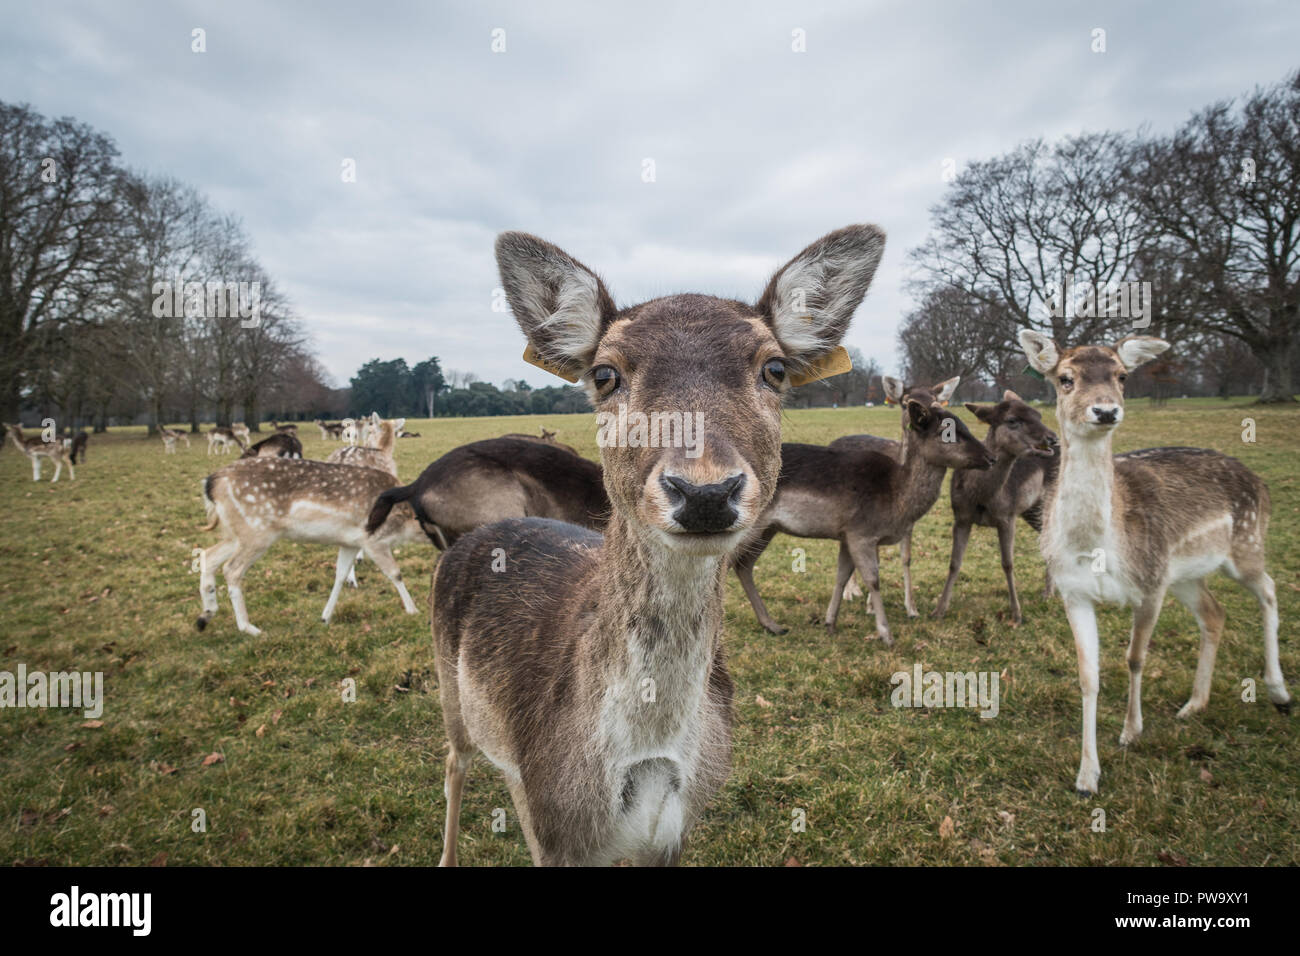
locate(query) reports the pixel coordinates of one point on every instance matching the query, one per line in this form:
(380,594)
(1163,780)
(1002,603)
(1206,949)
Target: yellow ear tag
(532,358)
(834,362)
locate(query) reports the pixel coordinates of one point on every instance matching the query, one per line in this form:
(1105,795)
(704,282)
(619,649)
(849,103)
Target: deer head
(707,373)
(1015,428)
(941,437)
(1089,379)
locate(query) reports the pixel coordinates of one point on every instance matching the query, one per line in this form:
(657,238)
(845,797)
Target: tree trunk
(1278,383)
(251,414)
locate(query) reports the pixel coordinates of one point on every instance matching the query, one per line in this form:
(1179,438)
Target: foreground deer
(1025,449)
(897,394)
(590,669)
(258,501)
(223,438)
(37,448)
(499,478)
(861,497)
(1126,529)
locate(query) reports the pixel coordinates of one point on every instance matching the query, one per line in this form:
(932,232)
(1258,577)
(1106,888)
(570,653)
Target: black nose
(704,509)
(1104,416)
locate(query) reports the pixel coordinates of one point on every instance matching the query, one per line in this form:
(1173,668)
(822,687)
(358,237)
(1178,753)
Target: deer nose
(704,509)
(1105,414)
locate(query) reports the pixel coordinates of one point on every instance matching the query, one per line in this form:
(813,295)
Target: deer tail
(209,506)
(384,504)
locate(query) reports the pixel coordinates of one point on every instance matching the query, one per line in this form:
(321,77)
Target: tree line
(1193,236)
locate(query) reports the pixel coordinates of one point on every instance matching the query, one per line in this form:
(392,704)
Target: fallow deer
(37,448)
(1025,449)
(222,438)
(329,430)
(1126,529)
(499,478)
(896,393)
(279,445)
(547,436)
(351,433)
(861,497)
(240,430)
(381,442)
(258,501)
(289,429)
(590,668)
(76,446)
(406,434)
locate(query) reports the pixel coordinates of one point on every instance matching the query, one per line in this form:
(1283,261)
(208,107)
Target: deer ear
(1010,396)
(1041,351)
(399,425)
(982,412)
(893,388)
(561,306)
(943,391)
(918,415)
(1139,349)
(809,302)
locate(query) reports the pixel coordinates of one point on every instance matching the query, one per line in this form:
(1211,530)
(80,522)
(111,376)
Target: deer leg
(905,552)
(234,573)
(744,568)
(36,468)
(352,571)
(1083,623)
(1047,582)
(209,561)
(1196,597)
(866,556)
(1144,622)
(384,560)
(1007,545)
(72,472)
(342,568)
(843,575)
(1261,585)
(852,589)
(960,538)
(457,764)
(58,468)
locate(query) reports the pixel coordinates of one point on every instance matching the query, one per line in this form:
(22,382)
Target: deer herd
(577,608)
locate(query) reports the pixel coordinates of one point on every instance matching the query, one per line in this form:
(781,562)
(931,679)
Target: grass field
(95,575)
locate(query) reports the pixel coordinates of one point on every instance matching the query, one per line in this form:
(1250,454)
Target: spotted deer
(896,393)
(1124,530)
(36,449)
(351,432)
(278,445)
(240,430)
(170,436)
(258,501)
(861,497)
(1013,488)
(220,439)
(590,668)
(377,452)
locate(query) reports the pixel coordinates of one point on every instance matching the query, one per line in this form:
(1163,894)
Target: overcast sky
(757,149)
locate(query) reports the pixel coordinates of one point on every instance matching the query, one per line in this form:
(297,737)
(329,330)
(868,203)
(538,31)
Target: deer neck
(1083,505)
(989,483)
(654,637)
(920,482)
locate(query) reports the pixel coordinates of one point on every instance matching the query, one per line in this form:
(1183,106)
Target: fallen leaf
(92,724)
(1206,776)
(947,829)
(166,768)
(75,745)
(1008,819)
(793,862)
(261,731)
(1172,859)
(758,699)
(159,860)
(275,718)
(212,758)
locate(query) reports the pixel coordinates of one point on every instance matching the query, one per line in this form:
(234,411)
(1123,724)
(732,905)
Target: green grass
(95,575)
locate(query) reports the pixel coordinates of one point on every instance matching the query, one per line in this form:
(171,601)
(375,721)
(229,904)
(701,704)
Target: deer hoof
(775,628)
(201,623)
(1284,707)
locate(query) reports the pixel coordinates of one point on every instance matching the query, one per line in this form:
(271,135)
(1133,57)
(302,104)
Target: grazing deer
(289,429)
(590,668)
(1025,449)
(861,497)
(329,430)
(279,445)
(240,429)
(223,438)
(78,448)
(1126,529)
(37,448)
(258,501)
(896,393)
(170,436)
(499,478)
(406,434)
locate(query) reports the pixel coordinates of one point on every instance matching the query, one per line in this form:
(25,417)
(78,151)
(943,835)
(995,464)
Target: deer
(258,501)
(896,393)
(350,433)
(380,443)
(547,436)
(278,445)
(406,434)
(862,497)
(36,449)
(75,445)
(1025,450)
(223,438)
(544,666)
(240,430)
(289,429)
(495,479)
(1127,529)
(329,430)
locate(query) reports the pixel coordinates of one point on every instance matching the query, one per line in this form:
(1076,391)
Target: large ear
(811,299)
(1010,396)
(561,306)
(943,391)
(1139,349)
(983,412)
(1041,351)
(893,388)
(918,415)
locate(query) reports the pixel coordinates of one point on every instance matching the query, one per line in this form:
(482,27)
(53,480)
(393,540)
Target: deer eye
(1123,378)
(1067,383)
(605,378)
(774,372)
(1013,423)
